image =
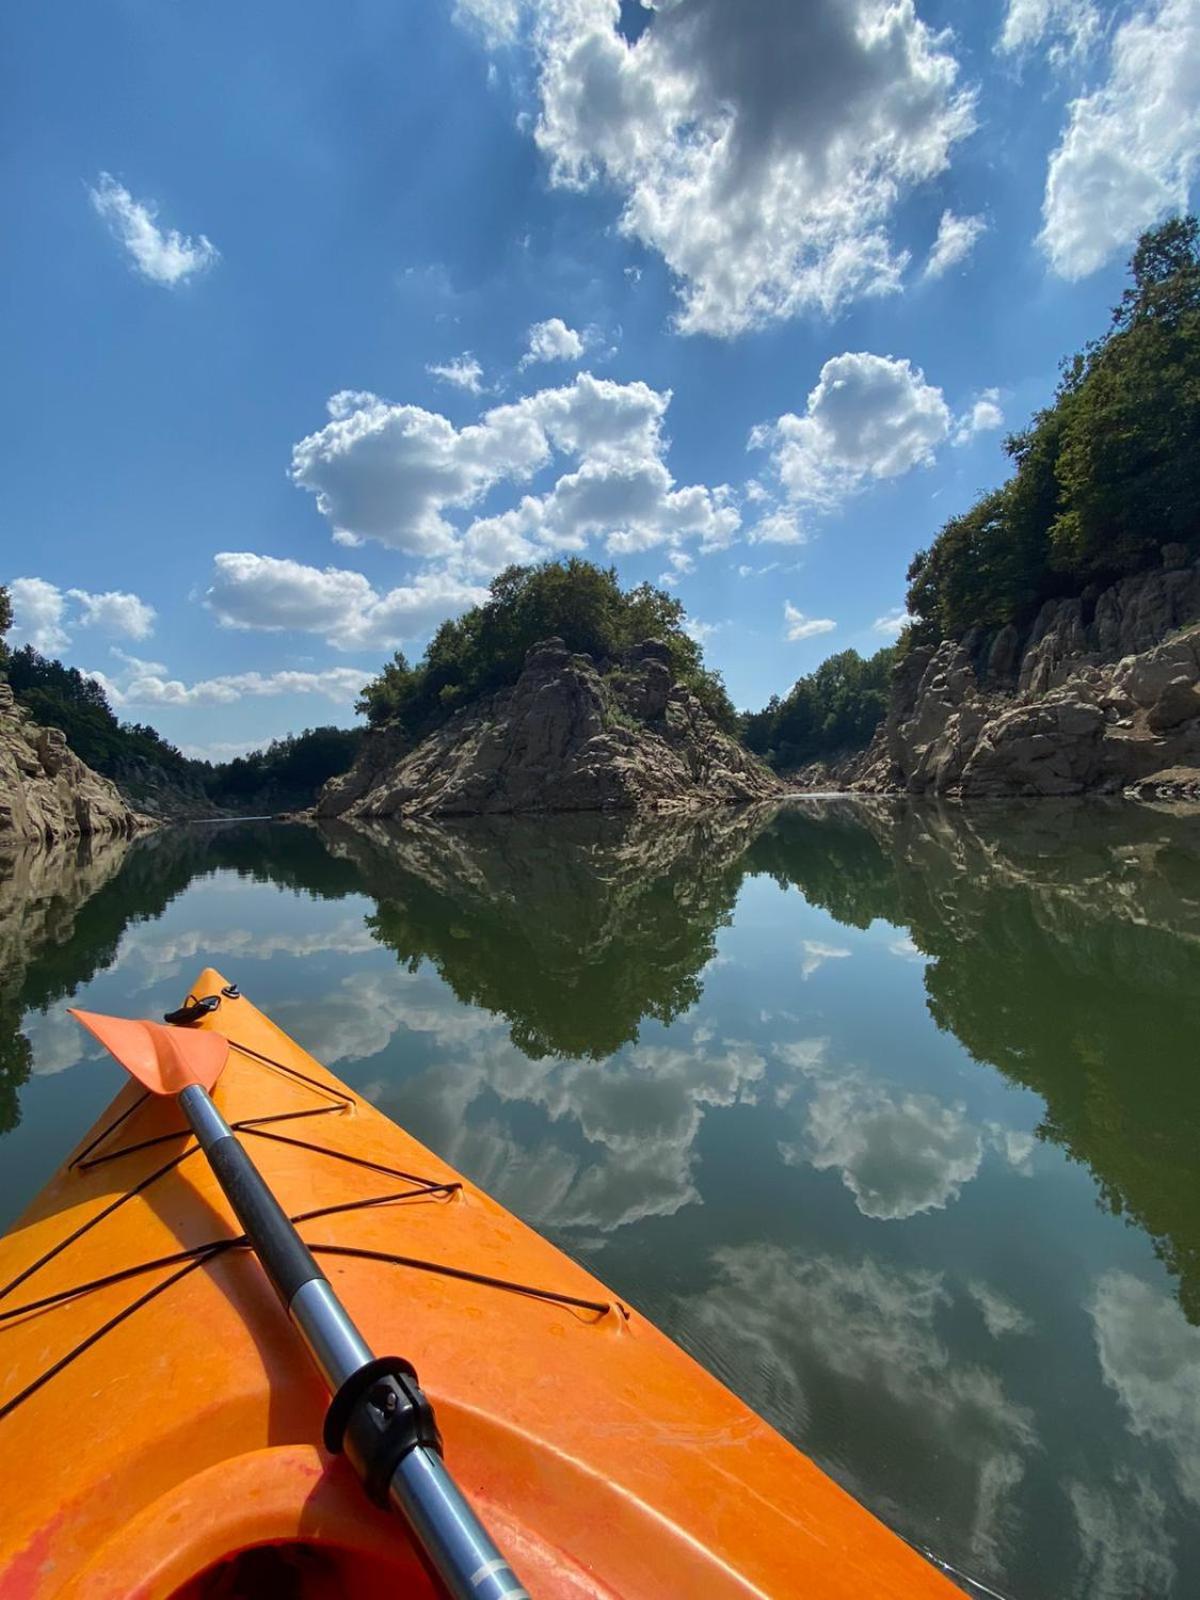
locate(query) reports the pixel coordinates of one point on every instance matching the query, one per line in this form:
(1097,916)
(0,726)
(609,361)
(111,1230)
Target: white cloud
(984,417)
(1073,25)
(1130,148)
(38,611)
(899,1154)
(115,612)
(955,240)
(463,371)
(552,340)
(892,623)
(496,20)
(801,627)
(681,565)
(1151,1357)
(264,592)
(391,472)
(777,527)
(162,257)
(759,148)
(817,954)
(144,683)
(868,417)
(41,614)
(1000,1316)
(1125,1546)
(809,1340)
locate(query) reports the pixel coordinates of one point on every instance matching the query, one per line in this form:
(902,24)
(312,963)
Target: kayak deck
(159,1420)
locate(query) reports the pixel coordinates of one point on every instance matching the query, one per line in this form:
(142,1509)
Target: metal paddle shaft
(366,1391)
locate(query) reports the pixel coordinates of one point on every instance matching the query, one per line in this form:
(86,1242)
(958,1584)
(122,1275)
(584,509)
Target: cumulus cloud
(892,623)
(1150,1356)
(899,1154)
(267,593)
(1131,148)
(779,526)
(463,371)
(985,416)
(1072,26)
(801,627)
(955,240)
(392,472)
(552,340)
(810,1340)
(161,257)
(38,611)
(115,612)
(145,683)
(868,417)
(44,616)
(760,149)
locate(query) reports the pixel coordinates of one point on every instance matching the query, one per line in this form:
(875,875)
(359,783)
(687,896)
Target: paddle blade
(162,1059)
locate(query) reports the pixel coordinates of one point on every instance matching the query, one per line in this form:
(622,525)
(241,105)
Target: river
(890,1115)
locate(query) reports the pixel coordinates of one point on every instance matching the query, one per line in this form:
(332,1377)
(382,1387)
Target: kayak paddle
(378,1412)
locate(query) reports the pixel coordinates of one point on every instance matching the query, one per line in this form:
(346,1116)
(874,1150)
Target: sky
(318,316)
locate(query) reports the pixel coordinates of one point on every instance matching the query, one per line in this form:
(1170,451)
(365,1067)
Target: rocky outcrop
(47,794)
(1103,694)
(567,736)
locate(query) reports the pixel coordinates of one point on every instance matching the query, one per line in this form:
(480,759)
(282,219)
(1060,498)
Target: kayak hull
(165,1435)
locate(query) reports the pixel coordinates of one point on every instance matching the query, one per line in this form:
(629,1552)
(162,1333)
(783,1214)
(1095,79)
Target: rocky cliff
(47,793)
(567,736)
(1101,695)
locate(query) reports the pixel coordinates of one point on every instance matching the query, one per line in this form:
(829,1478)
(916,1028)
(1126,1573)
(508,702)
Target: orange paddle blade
(164,1059)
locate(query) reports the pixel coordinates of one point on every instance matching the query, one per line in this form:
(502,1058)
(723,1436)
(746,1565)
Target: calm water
(892,1117)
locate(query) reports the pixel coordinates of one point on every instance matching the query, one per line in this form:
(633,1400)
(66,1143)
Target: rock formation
(566,737)
(47,793)
(1102,696)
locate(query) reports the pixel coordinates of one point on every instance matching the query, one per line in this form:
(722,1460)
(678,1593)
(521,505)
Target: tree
(1102,478)
(485,648)
(6,621)
(837,708)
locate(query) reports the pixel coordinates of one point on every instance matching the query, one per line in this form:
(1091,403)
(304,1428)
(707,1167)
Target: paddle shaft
(455,1542)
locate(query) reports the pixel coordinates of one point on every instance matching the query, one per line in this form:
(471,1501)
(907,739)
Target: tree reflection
(574,930)
(1065,946)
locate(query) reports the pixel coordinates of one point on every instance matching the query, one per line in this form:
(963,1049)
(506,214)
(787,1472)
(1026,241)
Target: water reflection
(831,1091)
(576,932)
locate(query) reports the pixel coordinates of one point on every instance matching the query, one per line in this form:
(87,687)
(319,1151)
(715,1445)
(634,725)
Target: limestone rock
(565,737)
(1103,694)
(47,794)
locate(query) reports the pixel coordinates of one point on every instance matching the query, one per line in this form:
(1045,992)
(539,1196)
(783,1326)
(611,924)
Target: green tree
(834,709)
(485,648)
(6,619)
(1102,478)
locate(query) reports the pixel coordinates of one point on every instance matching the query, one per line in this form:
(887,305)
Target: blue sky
(741,297)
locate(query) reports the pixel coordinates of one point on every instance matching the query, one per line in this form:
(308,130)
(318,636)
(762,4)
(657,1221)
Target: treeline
(1105,475)
(834,709)
(284,776)
(483,650)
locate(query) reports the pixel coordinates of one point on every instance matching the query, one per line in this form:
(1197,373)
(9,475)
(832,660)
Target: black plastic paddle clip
(378,1415)
(193,1011)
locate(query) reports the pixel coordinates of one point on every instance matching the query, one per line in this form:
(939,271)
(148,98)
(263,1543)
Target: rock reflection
(574,929)
(45,943)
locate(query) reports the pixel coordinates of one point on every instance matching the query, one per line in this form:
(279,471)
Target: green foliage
(484,649)
(1104,476)
(836,708)
(286,775)
(62,697)
(6,617)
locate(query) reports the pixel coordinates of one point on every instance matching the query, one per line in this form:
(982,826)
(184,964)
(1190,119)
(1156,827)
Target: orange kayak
(160,1423)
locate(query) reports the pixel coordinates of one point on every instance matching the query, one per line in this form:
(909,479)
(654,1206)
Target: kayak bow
(160,1428)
